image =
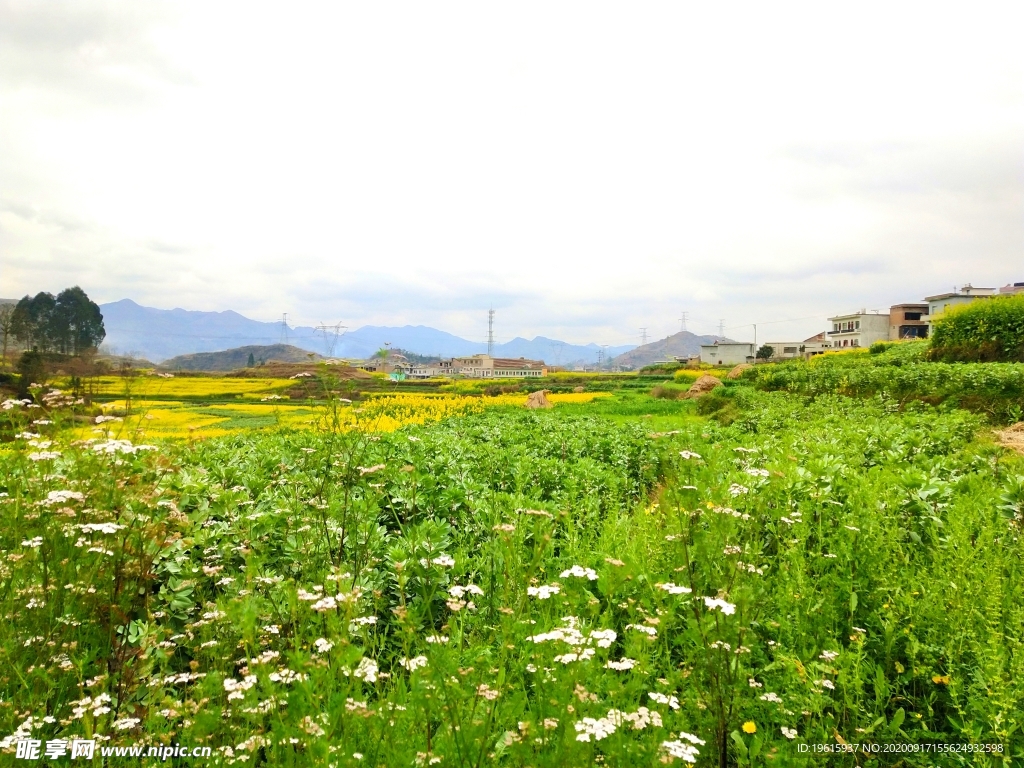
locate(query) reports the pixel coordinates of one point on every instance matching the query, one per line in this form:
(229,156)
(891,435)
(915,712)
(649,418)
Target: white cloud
(585,168)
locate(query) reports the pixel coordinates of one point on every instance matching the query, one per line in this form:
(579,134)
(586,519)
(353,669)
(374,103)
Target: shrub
(982,331)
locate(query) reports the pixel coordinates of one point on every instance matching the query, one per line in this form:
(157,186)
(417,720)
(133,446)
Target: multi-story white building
(858,329)
(943,302)
(487,367)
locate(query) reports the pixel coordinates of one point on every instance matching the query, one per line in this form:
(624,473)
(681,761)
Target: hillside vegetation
(239,357)
(987,330)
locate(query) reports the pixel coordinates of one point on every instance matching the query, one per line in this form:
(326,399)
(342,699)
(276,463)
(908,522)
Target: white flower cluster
(674,589)
(544,591)
(9,404)
(580,573)
(456,594)
(689,455)
(236,688)
(738,490)
(120,446)
(414,663)
(571,635)
(622,665)
(286,676)
(649,631)
(97,706)
(756,472)
(445,561)
(713,602)
(322,645)
(107,528)
(62,497)
(685,748)
(366,670)
(663,698)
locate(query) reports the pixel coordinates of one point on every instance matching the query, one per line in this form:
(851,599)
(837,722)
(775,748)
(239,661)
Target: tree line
(69,323)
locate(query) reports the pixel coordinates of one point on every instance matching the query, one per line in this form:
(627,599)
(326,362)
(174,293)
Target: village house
(727,353)
(487,367)
(908,321)
(858,329)
(806,349)
(940,304)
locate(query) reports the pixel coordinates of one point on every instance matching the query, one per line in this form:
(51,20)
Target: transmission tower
(601,355)
(330,334)
(490,332)
(682,322)
(721,327)
(284,328)
(643,336)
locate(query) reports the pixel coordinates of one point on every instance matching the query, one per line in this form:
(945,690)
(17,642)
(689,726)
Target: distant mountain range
(159,334)
(682,344)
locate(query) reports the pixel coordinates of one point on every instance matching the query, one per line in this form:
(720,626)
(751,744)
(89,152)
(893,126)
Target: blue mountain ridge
(159,334)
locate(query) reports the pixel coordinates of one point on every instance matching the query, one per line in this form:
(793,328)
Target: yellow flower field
(185,386)
(153,419)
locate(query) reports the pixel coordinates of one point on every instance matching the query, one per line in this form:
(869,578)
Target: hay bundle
(736,372)
(1012,437)
(702,386)
(538,399)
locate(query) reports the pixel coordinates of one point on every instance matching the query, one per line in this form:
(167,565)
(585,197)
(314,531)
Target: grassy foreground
(562,588)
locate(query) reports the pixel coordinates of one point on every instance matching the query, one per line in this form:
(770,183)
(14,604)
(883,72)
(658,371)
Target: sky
(587,169)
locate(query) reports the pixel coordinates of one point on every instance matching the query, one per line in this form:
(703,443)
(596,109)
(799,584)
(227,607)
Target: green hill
(231,359)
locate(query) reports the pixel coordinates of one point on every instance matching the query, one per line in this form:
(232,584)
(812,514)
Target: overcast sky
(584,168)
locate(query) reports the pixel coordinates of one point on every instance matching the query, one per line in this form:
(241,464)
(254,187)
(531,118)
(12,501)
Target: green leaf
(897,719)
(853,602)
(740,745)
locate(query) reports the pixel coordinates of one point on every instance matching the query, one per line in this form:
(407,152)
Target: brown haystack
(1012,437)
(702,386)
(579,389)
(538,399)
(736,372)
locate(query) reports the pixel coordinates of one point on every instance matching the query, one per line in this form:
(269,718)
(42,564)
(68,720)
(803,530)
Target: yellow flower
(940,679)
(749,727)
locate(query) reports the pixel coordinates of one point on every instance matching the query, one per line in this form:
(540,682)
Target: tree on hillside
(69,323)
(252,360)
(6,327)
(765,352)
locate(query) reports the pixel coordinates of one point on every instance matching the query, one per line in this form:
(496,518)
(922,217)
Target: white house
(858,329)
(487,367)
(727,353)
(788,350)
(940,304)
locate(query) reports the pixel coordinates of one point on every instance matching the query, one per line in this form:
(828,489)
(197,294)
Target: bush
(983,331)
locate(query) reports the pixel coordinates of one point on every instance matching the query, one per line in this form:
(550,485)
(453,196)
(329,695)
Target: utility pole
(755,338)
(284,328)
(682,322)
(490,332)
(643,336)
(721,327)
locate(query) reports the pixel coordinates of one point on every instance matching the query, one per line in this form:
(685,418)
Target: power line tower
(284,328)
(601,356)
(643,336)
(721,327)
(330,334)
(682,322)
(490,332)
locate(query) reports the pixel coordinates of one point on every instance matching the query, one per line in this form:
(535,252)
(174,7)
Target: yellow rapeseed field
(152,419)
(185,386)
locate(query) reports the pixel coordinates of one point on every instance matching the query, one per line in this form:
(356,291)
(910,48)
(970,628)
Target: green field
(627,581)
